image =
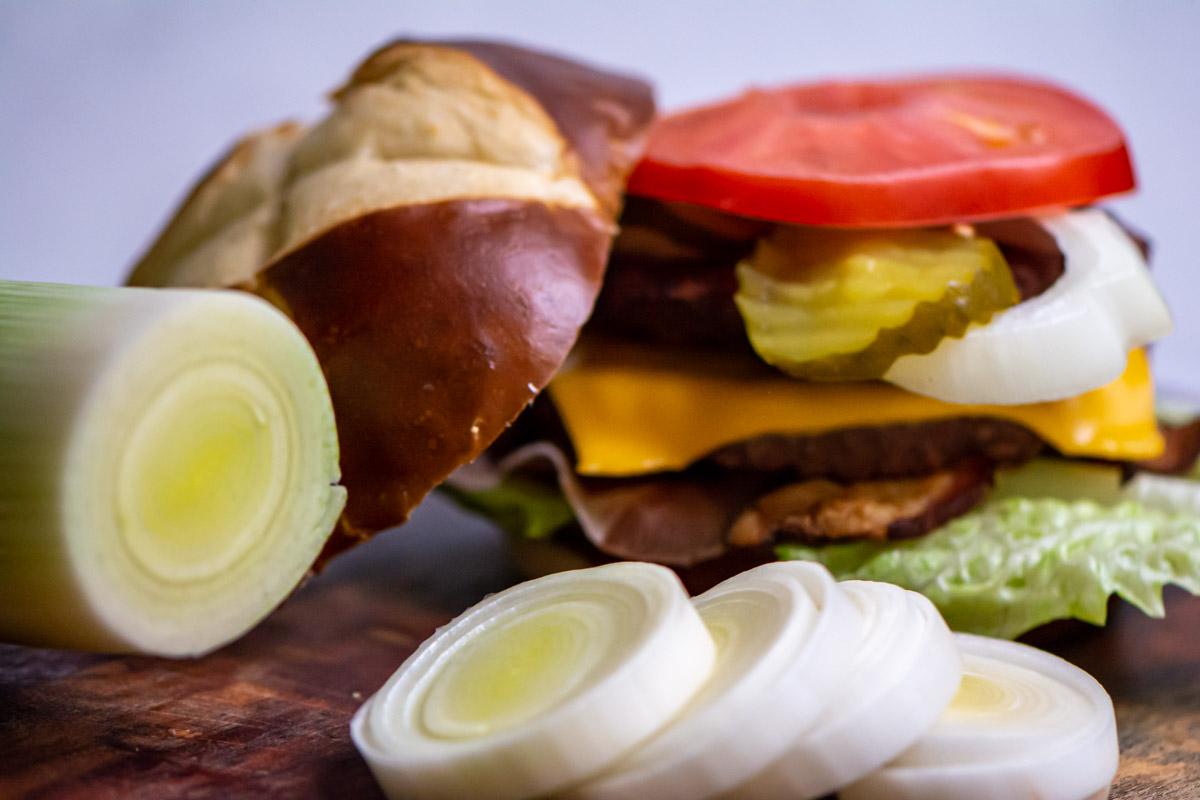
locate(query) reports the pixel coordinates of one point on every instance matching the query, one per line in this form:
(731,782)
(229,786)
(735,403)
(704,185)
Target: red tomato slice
(918,151)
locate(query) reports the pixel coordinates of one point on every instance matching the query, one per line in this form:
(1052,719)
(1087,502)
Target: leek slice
(903,671)
(1071,339)
(537,687)
(168,468)
(784,633)
(1024,723)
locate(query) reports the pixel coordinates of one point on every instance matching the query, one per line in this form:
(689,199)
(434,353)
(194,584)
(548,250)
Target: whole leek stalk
(168,466)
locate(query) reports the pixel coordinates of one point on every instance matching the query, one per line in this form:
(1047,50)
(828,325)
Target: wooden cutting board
(267,716)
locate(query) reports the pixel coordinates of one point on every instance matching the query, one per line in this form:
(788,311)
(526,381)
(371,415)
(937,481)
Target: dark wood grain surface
(267,716)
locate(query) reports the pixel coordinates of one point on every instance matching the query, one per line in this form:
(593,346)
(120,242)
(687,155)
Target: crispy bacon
(822,511)
(693,517)
(679,520)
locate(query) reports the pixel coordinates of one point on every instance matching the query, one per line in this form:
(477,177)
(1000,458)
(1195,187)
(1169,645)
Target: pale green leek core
(518,670)
(168,466)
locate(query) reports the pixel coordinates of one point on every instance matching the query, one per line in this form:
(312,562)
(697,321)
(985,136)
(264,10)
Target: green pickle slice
(833,305)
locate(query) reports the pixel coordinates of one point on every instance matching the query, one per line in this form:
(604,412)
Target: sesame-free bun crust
(440,237)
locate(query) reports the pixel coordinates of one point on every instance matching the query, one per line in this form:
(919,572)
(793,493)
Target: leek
(903,671)
(784,634)
(168,462)
(1023,723)
(537,687)
(607,683)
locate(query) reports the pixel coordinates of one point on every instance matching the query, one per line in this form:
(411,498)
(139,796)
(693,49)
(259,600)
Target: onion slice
(1071,339)
(1023,724)
(537,687)
(903,671)
(783,633)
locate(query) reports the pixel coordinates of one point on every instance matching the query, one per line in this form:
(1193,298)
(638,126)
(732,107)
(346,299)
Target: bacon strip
(679,519)
(822,511)
(689,518)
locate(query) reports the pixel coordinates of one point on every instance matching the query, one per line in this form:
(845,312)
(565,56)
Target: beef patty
(883,451)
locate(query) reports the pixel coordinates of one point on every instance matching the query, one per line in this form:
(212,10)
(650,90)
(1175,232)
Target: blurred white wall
(108,110)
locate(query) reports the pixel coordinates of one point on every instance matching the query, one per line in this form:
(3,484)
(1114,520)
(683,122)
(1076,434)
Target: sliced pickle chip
(835,305)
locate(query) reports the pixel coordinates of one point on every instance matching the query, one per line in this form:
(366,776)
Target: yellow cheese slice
(630,411)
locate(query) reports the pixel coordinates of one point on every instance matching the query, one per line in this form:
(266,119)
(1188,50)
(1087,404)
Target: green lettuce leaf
(1017,563)
(519,506)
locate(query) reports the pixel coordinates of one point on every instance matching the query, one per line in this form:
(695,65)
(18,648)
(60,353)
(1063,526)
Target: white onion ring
(1072,338)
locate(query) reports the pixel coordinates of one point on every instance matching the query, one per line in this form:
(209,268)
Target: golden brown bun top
(417,122)
(602,115)
(440,237)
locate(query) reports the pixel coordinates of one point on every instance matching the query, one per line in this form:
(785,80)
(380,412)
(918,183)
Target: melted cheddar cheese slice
(630,411)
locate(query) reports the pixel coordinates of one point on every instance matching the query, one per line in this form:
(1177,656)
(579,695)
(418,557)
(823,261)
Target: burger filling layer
(675,435)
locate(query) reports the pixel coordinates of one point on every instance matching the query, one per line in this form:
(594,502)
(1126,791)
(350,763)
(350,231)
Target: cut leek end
(201,472)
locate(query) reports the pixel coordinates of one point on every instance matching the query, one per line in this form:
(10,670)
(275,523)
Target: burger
(879,324)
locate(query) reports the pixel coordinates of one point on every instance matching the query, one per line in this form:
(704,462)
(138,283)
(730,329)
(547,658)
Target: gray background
(109,110)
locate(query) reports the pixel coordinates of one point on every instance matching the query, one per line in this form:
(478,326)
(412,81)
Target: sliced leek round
(844,305)
(903,670)
(168,469)
(784,633)
(537,687)
(1023,724)
(1074,337)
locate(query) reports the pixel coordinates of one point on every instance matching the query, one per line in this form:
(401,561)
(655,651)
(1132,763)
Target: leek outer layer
(168,462)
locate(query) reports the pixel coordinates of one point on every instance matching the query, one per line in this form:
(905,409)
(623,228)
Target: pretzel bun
(439,236)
